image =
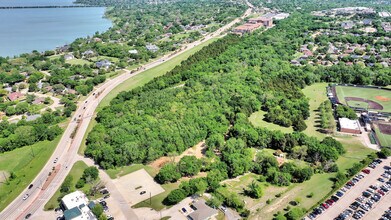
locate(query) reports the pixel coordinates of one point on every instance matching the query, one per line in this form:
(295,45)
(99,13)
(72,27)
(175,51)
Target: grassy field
(384,139)
(316,94)
(257,120)
(76,172)
(157,201)
(122,171)
(365,93)
(78,62)
(25,166)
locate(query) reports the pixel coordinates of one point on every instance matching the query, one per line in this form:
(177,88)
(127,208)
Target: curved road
(66,150)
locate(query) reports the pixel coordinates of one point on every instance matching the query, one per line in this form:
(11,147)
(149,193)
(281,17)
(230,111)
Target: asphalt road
(356,191)
(66,150)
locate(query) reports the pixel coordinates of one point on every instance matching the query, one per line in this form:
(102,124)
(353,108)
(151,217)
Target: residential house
(69,57)
(38,100)
(88,53)
(133,51)
(151,47)
(347,24)
(103,64)
(367,21)
(15,96)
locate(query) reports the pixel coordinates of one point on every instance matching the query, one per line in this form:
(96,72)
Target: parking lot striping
(354,192)
(378,210)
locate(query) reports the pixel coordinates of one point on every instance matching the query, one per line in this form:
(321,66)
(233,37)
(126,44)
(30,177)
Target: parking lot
(366,196)
(137,186)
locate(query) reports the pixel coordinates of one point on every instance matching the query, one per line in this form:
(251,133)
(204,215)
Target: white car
(25,196)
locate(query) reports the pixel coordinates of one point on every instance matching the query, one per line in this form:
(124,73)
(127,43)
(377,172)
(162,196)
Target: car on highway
(27,216)
(30,186)
(26,196)
(55,160)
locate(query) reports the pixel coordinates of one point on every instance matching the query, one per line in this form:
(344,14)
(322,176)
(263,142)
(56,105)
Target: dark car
(30,186)
(103,203)
(27,216)
(142,192)
(106,196)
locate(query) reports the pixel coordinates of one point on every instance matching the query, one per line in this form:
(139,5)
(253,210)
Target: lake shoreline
(43,28)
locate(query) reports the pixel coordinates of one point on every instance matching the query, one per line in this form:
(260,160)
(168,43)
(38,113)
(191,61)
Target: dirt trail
(197,151)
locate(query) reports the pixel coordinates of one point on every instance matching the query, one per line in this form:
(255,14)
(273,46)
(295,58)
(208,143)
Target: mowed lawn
(316,94)
(366,93)
(25,166)
(76,172)
(257,119)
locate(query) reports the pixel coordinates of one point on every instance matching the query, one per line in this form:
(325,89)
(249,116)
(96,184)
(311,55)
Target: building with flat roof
(202,212)
(349,126)
(76,207)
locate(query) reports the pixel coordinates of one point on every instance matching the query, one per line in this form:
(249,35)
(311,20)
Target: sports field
(383,134)
(367,98)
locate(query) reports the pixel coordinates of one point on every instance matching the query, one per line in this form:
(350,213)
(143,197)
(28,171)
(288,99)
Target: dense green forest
(222,85)
(210,97)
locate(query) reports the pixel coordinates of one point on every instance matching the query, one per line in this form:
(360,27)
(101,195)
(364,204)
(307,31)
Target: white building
(349,126)
(75,207)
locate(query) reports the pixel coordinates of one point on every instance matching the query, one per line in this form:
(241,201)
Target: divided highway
(65,153)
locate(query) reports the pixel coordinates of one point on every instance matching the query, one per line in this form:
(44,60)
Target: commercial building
(202,211)
(253,24)
(76,207)
(349,126)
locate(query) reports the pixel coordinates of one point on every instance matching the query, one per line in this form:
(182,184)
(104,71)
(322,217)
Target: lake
(24,30)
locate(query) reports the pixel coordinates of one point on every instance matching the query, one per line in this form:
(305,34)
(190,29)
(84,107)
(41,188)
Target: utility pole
(150,198)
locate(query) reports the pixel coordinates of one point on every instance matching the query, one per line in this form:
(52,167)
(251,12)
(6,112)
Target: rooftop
(203,211)
(74,199)
(349,124)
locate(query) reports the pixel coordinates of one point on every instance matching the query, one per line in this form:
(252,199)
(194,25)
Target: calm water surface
(24,30)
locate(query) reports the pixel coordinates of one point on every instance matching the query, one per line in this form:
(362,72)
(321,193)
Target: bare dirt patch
(371,104)
(382,98)
(197,150)
(385,128)
(3,175)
